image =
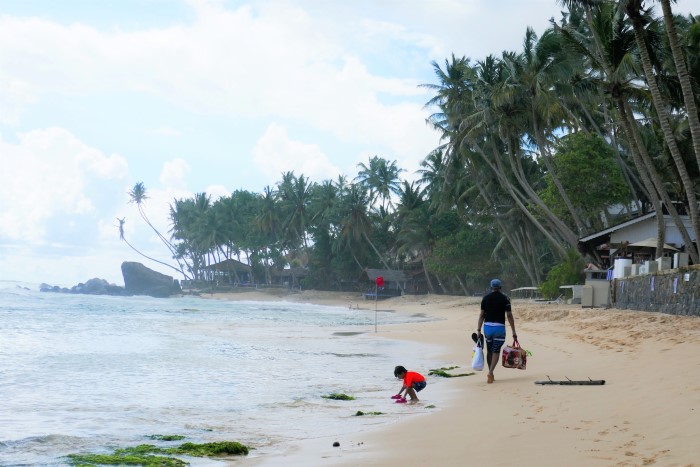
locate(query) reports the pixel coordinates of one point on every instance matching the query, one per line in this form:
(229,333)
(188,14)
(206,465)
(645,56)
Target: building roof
(617,227)
(228,265)
(296,272)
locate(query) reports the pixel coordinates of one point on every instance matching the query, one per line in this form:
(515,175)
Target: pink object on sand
(396,396)
(401,401)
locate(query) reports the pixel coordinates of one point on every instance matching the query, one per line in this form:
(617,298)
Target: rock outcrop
(139,280)
(91,287)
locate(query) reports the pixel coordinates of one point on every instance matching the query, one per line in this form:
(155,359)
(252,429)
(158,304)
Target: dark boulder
(91,287)
(139,280)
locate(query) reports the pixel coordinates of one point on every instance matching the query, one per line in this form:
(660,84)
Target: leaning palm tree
(138,196)
(683,77)
(122,237)
(640,18)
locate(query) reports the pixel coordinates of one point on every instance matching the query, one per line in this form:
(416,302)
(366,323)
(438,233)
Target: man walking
(495,308)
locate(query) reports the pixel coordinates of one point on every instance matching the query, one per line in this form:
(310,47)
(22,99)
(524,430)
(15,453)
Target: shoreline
(648,411)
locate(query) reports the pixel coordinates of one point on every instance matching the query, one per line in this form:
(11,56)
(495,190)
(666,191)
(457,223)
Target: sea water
(88,374)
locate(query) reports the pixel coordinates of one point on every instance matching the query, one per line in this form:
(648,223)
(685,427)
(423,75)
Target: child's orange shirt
(412,377)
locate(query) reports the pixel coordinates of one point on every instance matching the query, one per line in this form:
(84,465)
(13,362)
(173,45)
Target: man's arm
(511,321)
(481,321)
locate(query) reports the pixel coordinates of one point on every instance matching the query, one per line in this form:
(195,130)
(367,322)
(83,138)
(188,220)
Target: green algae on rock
(148,455)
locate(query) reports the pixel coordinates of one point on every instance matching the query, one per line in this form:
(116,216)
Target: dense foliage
(593,122)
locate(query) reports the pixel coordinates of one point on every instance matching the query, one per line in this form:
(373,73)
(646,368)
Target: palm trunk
(376,252)
(569,236)
(461,284)
(684,78)
(544,152)
(665,124)
(508,236)
(427,274)
(645,166)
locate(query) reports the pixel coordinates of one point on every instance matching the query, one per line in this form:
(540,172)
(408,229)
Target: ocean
(88,374)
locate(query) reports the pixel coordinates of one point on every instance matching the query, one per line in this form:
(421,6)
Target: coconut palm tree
(381,178)
(683,77)
(355,222)
(640,18)
(122,237)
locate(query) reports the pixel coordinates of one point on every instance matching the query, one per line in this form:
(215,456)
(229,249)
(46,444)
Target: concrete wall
(676,292)
(600,292)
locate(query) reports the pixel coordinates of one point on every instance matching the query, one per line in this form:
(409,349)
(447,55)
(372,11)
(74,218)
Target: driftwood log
(568,382)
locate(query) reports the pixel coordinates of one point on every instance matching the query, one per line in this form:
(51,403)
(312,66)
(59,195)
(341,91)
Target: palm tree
(639,18)
(539,70)
(356,224)
(414,237)
(138,196)
(683,77)
(122,237)
(381,178)
(294,194)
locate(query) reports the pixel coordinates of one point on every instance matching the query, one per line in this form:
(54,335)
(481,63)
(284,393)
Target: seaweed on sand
(148,454)
(339,397)
(360,413)
(443,372)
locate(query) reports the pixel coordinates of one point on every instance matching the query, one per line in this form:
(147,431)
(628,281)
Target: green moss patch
(128,456)
(339,397)
(148,455)
(443,372)
(360,413)
(221,448)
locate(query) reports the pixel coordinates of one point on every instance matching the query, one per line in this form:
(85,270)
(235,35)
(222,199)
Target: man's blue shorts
(419,385)
(495,337)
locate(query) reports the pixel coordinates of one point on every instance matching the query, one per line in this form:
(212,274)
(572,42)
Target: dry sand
(647,413)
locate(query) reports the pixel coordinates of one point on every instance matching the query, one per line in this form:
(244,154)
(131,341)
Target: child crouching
(413,382)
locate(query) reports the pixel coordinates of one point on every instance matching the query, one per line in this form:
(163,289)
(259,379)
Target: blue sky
(191,96)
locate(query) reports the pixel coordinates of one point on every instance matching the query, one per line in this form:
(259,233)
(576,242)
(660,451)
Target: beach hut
(231,272)
(289,277)
(634,239)
(394,283)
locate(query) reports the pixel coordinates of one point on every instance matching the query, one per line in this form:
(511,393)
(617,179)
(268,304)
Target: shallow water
(91,373)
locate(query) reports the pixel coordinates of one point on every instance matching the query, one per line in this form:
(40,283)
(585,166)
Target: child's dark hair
(398,370)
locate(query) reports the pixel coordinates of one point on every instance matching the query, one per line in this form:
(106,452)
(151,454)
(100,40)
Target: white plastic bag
(477,357)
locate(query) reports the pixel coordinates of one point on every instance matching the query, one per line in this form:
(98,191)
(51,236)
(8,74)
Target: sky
(192,96)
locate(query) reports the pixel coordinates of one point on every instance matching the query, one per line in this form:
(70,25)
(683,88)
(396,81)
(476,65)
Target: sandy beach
(647,413)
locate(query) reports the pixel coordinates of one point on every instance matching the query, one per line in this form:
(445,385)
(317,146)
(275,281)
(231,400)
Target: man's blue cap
(496,284)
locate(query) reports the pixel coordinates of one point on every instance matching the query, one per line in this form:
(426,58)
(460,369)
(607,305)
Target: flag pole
(376,293)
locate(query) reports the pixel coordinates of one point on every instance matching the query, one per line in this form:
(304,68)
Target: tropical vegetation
(593,122)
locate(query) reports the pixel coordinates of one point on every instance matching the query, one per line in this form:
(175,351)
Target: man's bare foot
(489,378)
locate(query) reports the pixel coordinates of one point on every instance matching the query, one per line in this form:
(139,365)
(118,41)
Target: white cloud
(47,174)
(300,68)
(15,97)
(173,174)
(275,153)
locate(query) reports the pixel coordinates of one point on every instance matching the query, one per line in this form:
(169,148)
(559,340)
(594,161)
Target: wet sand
(647,413)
